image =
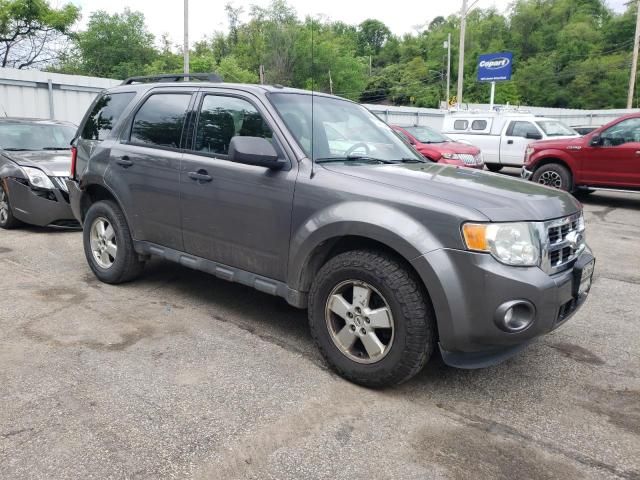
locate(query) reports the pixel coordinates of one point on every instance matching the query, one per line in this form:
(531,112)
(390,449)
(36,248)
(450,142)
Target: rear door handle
(200,176)
(124,161)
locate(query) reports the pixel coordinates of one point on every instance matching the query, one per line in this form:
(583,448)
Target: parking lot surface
(182,375)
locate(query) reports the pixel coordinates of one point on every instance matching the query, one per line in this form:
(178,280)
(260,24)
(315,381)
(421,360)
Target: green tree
(31,32)
(372,35)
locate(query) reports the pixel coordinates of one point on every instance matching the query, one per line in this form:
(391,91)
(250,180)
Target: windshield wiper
(56,148)
(16,149)
(354,158)
(411,160)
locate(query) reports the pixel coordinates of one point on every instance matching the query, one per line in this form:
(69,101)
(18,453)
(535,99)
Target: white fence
(30,93)
(432,117)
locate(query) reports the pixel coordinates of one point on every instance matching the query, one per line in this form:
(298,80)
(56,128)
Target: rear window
(160,120)
(461,125)
(105,115)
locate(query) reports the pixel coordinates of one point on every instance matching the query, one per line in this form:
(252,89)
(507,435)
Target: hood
(558,143)
(498,197)
(448,147)
(53,163)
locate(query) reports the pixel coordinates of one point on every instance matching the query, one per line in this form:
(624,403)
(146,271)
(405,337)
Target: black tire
(494,167)
(126,265)
(554,175)
(7,220)
(414,332)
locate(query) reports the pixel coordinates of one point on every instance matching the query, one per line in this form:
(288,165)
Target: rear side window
(460,125)
(160,121)
(479,125)
(105,115)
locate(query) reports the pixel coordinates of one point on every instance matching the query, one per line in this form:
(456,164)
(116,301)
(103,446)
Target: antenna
(312,100)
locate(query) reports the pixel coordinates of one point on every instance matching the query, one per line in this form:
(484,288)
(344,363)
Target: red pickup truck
(605,159)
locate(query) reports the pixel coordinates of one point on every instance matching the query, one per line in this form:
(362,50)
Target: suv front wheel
(370,318)
(108,245)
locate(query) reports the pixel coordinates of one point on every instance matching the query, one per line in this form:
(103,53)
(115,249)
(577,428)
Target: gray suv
(312,198)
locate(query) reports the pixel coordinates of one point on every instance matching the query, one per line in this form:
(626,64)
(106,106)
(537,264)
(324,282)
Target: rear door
(145,167)
(514,141)
(616,161)
(237,215)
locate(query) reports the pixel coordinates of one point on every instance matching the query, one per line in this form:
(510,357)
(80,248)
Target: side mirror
(595,141)
(254,151)
(534,136)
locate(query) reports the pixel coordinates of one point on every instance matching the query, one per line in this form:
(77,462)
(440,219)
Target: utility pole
(370,65)
(186,37)
(448,68)
(634,63)
(330,83)
(262,74)
(463,28)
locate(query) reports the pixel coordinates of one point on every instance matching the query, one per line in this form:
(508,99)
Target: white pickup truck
(503,137)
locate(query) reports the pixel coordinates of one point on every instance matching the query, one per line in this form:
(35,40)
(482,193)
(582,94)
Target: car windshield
(35,136)
(427,135)
(342,130)
(554,128)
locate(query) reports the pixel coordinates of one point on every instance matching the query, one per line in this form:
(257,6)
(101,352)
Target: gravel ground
(181,375)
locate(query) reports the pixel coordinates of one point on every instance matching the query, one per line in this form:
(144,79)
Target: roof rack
(174,77)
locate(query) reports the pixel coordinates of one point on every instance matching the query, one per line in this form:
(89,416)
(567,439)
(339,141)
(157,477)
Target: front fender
(8,168)
(538,158)
(382,223)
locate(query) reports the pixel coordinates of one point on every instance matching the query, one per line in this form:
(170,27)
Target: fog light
(515,316)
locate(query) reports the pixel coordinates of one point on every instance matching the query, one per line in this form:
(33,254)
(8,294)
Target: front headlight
(450,156)
(38,179)
(510,243)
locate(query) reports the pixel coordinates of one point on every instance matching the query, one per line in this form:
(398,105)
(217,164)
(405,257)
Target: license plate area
(583,278)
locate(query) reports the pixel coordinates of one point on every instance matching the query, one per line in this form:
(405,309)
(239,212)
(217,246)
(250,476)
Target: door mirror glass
(254,151)
(596,141)
(534,136)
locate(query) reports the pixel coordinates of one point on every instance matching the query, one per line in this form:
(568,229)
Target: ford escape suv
(393,256)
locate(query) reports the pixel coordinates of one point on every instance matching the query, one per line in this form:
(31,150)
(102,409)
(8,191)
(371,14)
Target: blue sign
(495,67)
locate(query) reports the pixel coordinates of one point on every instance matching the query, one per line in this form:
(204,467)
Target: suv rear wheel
(370,318)
(554,175)
(7,220)
(108,245)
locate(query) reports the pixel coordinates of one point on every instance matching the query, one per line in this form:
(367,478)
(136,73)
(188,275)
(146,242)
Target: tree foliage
(32,32)
(567,53)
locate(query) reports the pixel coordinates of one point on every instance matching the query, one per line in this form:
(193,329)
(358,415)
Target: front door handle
(200,176)
(124,161)
(509,142)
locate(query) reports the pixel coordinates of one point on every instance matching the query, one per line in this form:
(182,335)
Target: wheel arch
(96,192)
(557,160)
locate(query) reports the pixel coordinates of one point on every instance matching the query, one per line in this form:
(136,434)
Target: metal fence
(30,93)
(432,117)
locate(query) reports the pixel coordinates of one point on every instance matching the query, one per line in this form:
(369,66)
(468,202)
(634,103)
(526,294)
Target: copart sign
(495,67)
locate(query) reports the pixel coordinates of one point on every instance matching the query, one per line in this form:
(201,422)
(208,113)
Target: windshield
(427,135)
(35,136)
(553,128)
(342,130)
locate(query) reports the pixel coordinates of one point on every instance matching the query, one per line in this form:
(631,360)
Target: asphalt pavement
(182,375)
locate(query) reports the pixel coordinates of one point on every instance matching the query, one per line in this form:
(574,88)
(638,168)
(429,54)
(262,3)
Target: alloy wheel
(4,206)
(551,179)
(103,242)
(360,321)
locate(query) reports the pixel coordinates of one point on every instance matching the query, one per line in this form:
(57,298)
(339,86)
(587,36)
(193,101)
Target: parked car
(502,136)
(392,255)
(607,158)
(34,164)
(438,148)
(584,130)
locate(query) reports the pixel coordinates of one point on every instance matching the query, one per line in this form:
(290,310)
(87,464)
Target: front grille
(566,310)
(565,242)
(469,159)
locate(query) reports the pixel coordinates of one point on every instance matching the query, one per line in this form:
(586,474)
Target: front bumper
(468,288)
(40,207)
(526,174)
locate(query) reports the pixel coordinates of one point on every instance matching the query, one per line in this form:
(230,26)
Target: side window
(479,125)
(521,129)
(105,115)
(627,131)
(160,120)
(460,125)
(222,118)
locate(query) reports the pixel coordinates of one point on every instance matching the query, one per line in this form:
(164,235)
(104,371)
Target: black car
(35,160)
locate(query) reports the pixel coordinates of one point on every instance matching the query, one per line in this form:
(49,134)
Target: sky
(207,16)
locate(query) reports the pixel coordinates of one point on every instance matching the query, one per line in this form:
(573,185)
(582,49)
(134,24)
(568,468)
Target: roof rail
(174,77)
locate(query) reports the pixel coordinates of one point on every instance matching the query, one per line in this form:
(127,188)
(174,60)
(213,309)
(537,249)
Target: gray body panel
(263,228)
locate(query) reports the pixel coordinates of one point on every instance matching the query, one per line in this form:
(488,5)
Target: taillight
(74,158)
